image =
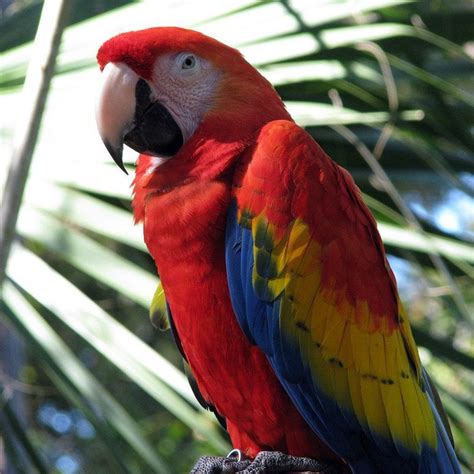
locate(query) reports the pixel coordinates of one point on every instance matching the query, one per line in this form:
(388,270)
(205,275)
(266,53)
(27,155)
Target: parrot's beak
(127,113)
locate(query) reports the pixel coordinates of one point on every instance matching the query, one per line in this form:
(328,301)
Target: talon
(236,455)
(234,462)
(274,461)
(264,462)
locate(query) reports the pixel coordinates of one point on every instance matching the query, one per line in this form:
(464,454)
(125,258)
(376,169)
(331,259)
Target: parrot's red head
(172,93)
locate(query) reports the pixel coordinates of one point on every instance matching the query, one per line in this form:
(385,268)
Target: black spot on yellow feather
(405,375)
(336,362)
(387,381)
(301,325)
(369,376)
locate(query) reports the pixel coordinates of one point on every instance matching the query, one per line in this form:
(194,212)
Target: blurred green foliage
(391,77)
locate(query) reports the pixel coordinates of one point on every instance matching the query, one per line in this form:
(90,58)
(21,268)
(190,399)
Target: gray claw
(220,465)
(276,462)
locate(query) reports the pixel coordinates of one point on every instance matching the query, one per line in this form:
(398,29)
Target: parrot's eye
(188,62)
(187,65)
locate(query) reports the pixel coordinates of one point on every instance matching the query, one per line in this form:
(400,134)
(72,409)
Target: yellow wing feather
(158,310)
(367,369)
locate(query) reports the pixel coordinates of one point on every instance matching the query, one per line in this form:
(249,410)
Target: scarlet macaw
(279,292)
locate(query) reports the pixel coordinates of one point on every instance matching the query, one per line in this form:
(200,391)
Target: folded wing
(311,285)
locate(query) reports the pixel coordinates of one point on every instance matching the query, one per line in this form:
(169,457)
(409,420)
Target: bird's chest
(185,233)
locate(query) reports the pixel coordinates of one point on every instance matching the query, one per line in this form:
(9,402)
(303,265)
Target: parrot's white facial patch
(185,84)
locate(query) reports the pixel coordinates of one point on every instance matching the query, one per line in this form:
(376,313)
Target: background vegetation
(385,86)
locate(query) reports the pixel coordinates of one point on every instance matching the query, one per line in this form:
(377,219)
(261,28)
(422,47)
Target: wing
(311,285)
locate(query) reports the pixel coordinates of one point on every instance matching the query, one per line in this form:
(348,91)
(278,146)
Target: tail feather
(444,460)
(441,460)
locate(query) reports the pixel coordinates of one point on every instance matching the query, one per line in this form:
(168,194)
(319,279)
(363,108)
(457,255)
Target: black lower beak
(154,131)
(116,154)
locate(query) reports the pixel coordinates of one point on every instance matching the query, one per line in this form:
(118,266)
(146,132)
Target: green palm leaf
(78,242)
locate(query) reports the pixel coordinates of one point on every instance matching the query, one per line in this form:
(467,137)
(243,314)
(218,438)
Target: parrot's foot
(264,462)
(274,461)
(235,461)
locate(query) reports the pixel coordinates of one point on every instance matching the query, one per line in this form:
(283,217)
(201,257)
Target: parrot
(273,275)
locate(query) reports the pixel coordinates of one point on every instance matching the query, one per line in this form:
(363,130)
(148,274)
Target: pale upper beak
(127,113)
(115,108)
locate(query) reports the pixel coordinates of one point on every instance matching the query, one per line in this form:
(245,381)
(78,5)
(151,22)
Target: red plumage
(232,374)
